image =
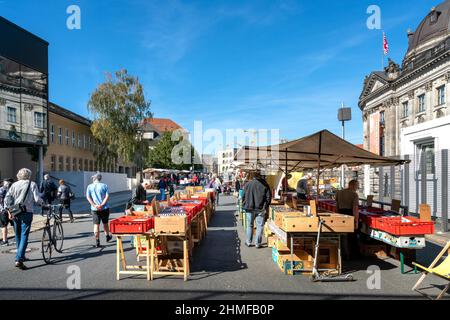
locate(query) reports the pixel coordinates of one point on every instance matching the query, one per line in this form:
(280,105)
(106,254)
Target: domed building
(406,113)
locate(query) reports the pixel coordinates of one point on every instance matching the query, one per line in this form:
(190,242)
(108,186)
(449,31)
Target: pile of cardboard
(300,260)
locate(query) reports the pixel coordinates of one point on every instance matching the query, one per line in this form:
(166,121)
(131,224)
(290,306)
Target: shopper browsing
(256,201)
(98,195)
(347,202)
(19,201)
(302,187)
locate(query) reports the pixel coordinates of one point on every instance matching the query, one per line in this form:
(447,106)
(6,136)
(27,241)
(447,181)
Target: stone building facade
(405,98)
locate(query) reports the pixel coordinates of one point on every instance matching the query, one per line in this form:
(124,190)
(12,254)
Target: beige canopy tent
(321,150)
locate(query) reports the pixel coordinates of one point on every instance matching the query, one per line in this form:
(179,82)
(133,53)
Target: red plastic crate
(131,225)
(371,220)
(400,227)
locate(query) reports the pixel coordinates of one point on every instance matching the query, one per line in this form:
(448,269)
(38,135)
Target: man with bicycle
(98,195)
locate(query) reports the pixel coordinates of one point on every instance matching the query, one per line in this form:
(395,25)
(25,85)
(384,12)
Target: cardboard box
(271,241)
(378,250)
(170,224)
(280,246)
(299,267)
(300,224)
(338,223)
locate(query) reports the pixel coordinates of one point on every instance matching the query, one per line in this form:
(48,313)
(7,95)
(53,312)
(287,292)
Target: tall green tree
(118,106)
(171,153)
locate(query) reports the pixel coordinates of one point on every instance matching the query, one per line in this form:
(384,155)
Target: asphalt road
(223,268)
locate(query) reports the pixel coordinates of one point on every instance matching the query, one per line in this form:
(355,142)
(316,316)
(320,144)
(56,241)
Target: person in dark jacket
(64,195)
(48,190)
(162,186)
(139,195)
(255,201)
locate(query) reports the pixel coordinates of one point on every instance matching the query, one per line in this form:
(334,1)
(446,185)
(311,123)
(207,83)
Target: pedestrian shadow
(79,235)
(77,254)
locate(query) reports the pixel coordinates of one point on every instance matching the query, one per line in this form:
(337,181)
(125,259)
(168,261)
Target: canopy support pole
(318,168)
(286,174)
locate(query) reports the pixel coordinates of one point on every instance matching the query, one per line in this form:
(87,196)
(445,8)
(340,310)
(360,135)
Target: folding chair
(425,212)
(442,271)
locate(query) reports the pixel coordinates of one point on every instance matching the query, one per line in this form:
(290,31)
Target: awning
(320,150)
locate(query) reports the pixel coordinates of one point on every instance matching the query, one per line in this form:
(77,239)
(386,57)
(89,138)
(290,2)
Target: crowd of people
(18,200)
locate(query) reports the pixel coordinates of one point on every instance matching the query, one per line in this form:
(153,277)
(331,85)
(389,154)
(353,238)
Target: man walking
(65,196)
(162,185)
(22,194)
(48,190)
(255,201)
(98,195)
(4,215)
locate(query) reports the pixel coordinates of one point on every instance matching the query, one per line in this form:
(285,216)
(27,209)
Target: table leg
(118,259)
(185,260)
(402,263)
(122,254)
(149,270)
(152,251)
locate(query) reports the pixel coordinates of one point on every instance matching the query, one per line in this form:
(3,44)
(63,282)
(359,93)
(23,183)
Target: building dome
(435,25)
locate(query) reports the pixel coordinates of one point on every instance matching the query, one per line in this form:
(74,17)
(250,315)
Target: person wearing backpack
(65,196)
(19,203)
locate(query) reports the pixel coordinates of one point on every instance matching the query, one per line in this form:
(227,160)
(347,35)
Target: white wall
(116,182)
(437,131)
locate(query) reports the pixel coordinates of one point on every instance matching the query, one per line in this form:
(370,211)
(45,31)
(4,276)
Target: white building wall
(116,182)
(438,131)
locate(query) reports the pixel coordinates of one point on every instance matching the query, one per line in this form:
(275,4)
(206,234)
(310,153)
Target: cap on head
(46,176)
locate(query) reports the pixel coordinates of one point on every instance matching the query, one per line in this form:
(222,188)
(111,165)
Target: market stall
(320,151)
(165,234)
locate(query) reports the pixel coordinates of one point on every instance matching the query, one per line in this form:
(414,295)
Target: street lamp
(140,134)
(344,114)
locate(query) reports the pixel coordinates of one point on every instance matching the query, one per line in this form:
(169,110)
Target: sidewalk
(80,208)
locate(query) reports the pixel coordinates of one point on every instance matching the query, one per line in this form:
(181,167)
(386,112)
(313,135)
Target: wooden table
(171,267)
(122,262)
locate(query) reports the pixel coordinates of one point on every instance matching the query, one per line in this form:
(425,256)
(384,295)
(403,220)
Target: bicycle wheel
(58,235)
(46,244)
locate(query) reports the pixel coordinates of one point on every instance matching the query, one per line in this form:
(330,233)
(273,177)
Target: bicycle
(53,235)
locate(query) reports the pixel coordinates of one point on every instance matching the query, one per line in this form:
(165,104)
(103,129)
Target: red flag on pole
(385,45)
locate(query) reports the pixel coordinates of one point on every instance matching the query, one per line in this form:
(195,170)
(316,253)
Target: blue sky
(272,64)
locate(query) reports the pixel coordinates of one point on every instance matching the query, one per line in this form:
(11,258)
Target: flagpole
(382,51)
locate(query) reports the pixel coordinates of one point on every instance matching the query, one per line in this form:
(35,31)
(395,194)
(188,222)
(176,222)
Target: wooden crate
(170,224)
(328,255)
(300,224)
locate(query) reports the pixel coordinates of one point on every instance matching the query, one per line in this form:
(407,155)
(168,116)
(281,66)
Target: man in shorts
(97,194)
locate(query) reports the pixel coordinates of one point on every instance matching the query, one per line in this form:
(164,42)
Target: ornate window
(405,109)
(441,95)
(421,103)
(12,114)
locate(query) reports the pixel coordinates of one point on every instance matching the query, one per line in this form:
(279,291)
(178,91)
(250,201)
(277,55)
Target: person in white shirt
(24,192)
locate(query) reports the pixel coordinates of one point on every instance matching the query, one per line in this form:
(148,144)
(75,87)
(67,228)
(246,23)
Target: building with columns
(405,111)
